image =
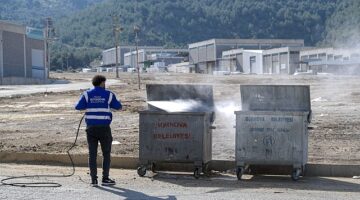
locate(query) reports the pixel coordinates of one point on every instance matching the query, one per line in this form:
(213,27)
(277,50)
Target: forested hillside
(85,26)
(179,22)
(343,27)
(33,12)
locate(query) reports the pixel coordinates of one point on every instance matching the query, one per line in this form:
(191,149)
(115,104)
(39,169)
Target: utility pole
(49,37)
(67,61)
(136,31)
(116,29)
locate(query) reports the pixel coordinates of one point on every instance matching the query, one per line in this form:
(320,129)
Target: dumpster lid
(180,98)
(275,97)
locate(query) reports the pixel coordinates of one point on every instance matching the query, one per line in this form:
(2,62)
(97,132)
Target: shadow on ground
(131,194)
(230,182)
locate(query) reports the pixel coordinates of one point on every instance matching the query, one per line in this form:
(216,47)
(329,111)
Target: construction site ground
(44,120)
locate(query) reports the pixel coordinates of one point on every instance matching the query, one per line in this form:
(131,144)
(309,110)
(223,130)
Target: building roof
(337,51)
(355,61)
(285,49)
(247,41)
(130,47)
(239,51)
(30,32)
(12,27)
(157,51)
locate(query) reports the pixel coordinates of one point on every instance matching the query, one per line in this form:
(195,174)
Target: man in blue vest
(97,102)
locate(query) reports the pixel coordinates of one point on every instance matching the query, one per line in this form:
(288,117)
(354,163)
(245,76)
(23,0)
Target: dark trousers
(96,134)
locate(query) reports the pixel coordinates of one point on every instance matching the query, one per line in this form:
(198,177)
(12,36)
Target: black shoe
(107,181)
(94,183)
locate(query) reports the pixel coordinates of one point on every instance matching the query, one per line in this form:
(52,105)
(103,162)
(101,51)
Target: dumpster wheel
(240,172)
(197,172)
(295,175)
(153,167)
(141,171)
(206,169)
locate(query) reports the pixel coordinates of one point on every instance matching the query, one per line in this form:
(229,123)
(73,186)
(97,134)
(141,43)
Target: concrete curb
(80,160)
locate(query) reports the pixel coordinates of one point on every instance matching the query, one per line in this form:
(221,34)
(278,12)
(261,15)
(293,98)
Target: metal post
(117,29)
(116,60)
(48,38)
(137,60)
(67,61)
(25,60)
(1,59)
(137,30)
(46,75)
(48,58)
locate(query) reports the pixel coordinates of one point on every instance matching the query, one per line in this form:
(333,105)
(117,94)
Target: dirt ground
(47,122)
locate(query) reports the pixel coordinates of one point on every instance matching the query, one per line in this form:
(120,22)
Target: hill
(179,22)
(343,27)
(85,26)
(33,12)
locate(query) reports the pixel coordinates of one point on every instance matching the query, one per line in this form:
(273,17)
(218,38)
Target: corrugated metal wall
(109,56)
(193,56)
(127,60)
(202,54)
(221,48)
(275,64)
(294,62)
(210,52)
(239,63)
(267,64)
(13,54)
(284,63)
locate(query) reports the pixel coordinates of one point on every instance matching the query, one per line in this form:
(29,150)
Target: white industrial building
(207,55)
(241,60)
(331,60)
(155,57)
(284,60)
(183,67)
(109,55)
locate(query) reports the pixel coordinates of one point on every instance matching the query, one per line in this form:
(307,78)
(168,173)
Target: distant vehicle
(310,72)
(236,73)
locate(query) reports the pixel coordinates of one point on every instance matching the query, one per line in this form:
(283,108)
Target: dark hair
(98,79)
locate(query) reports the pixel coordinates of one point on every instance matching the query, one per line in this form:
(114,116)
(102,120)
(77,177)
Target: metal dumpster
(181,135)
(271,129)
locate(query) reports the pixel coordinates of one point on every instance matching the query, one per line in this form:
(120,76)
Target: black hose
(45,184)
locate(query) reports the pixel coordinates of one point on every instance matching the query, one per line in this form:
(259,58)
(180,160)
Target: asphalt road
(175,186)
(13,90)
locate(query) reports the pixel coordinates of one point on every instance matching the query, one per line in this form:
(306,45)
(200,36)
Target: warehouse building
(284,60)
(22,54)
(331,60)
(183,67)
(205,55)
(109,55)
(155,57)
(241,60)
